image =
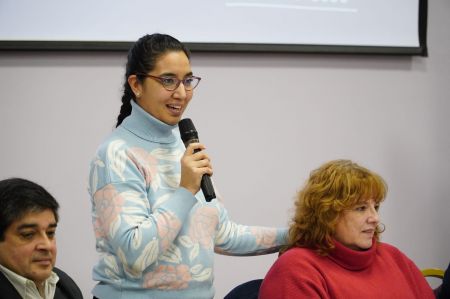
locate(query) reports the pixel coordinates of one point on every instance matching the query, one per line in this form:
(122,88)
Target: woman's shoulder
(297,256)
(289,263)
(390,252)
(116,139)
(295,251)
(388,249)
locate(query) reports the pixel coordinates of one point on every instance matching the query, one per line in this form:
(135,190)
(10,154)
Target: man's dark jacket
(66,288)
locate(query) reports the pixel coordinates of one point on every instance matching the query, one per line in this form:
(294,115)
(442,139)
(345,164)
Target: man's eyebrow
(34,225)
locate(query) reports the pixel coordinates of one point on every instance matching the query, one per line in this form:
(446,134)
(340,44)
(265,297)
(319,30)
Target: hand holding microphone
(189,135)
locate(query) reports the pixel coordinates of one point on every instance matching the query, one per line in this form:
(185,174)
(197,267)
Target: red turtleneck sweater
(380,272)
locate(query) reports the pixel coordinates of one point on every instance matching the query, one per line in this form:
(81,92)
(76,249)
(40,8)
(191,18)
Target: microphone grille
(187,129)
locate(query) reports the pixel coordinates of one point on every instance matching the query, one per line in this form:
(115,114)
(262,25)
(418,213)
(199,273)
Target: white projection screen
(333,26)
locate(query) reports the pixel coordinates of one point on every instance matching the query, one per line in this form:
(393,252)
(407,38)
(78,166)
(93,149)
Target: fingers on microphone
(202,166)
(201,156)
(194,147)
(209,171)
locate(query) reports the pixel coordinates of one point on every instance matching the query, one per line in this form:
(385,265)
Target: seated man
(28,220)
(443,292)
(333,248)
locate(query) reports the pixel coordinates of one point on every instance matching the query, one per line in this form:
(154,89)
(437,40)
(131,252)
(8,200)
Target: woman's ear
(135,85)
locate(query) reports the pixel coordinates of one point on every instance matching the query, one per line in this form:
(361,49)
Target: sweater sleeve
(127,229)
(415,281)
(422,288)
(241,240)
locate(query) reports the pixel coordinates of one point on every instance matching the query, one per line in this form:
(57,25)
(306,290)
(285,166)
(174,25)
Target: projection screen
(345,26)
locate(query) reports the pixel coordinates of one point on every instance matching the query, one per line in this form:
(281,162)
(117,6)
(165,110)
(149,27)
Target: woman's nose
(180,91)
(374,216)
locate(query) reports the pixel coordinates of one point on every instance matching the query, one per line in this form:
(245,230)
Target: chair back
(247,290)
(433,272)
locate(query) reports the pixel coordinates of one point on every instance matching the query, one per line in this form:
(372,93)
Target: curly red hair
(332,188)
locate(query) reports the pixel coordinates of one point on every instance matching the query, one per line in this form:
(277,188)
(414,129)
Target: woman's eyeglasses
(172,83)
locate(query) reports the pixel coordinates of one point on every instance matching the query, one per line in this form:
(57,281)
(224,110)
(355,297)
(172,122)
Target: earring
(138,95)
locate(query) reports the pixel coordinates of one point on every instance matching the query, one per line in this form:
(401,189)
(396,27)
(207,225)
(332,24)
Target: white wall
(266,119)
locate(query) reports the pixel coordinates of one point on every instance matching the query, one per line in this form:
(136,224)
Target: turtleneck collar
(353,260)
(144,125)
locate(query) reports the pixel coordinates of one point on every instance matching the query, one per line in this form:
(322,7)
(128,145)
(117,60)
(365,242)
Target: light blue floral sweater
(155,239)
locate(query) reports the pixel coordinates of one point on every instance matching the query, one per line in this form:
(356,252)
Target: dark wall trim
(209,47)
(423,21)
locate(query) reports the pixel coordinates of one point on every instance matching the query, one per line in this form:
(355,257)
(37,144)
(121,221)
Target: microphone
(189,135)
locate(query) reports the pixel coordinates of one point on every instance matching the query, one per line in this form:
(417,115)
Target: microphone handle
(206,183)
(207,188)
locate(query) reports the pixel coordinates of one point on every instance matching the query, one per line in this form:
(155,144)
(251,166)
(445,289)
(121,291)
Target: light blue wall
(267,120)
